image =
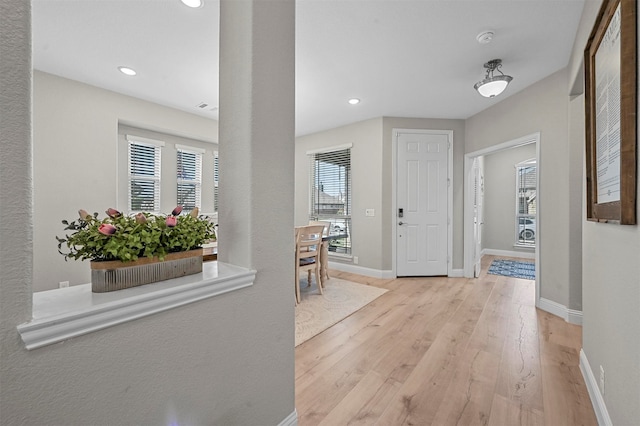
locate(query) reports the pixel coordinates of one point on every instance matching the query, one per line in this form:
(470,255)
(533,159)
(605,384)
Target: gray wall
(499,232)
(367,182)
(227,360)
(75,160)
(541,107)
(611,286)
(372,182)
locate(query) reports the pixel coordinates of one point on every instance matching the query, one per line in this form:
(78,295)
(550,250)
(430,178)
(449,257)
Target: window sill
(525,246)
(65,313)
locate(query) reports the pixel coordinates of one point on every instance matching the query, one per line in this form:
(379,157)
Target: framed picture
(610,60)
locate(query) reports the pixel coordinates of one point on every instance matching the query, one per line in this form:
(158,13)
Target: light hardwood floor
(444,351)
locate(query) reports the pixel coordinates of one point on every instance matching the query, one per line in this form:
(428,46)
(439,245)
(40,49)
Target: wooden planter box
(116,275)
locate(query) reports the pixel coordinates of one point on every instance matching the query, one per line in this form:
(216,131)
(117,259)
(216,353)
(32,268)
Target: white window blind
(331,194)
(526,202)
(144,176)
(189,177)
(216,180)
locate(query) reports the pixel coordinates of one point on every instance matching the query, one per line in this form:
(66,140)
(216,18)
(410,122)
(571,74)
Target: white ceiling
(408,58)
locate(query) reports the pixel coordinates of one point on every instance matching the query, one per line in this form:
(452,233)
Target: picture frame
(610,65)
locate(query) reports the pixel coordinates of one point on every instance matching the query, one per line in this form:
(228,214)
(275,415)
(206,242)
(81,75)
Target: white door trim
(394,207)
(468,202)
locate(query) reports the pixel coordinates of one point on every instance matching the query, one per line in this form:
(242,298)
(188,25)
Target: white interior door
(478,211)
(422,204)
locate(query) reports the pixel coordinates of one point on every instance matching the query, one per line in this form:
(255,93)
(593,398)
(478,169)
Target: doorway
(471,252)
(422,202)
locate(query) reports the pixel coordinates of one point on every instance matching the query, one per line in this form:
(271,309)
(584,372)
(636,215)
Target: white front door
(422,204)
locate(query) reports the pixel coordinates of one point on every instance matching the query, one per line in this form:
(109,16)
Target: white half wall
(226,360)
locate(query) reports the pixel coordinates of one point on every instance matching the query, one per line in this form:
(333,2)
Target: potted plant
(127,251)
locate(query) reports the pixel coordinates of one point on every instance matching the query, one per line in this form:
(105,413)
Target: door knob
(401,223)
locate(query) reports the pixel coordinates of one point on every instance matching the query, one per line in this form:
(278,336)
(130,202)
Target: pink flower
(107,229)
(141,218)
(84,215)
(113,212)
(171,221)
(176,211)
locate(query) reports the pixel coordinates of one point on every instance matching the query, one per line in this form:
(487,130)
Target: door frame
(478,209)
(394,207)
(468,202)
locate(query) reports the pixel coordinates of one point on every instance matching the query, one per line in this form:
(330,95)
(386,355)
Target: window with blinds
(144,176)
(189,177)
(331,194)
(216,180)
(526,202)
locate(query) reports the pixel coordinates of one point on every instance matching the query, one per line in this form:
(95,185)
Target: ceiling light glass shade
(490,87)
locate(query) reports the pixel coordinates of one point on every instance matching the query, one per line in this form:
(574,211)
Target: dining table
(324,254)
(210,251)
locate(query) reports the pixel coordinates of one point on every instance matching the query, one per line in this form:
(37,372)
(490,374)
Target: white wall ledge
(70,312)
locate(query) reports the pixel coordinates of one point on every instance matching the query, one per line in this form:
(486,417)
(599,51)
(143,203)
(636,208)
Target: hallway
(444,351)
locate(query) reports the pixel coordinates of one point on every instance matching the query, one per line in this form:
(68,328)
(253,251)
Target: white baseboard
(509,253)
(594,392)
(574,316)
(377,273)
(552,307)
(360,270)
(290,420)
(456,273)
(569,315)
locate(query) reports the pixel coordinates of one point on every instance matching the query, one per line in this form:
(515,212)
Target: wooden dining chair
(308,247)
(324,252)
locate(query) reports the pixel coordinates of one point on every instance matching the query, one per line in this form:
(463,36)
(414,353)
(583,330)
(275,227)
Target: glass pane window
(140,187)
(189,178)
(330,196)
(144,177)
(526,202)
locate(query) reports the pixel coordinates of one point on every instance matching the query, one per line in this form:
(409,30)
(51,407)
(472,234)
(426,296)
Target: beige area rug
(315,312)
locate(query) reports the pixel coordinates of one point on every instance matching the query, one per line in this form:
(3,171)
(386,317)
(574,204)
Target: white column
(256,136)
(257,97)
(16,231)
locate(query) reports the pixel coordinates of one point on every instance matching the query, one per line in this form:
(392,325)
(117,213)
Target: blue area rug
(513,268)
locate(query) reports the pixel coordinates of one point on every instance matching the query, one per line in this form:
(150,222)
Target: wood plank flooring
(444,351)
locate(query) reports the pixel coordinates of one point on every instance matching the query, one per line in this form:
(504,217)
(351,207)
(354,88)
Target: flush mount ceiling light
(492,85)
(485,37)
(354,101)
(192,3)
(127,71)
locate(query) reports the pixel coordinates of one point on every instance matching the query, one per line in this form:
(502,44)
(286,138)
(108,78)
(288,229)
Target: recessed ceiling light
(127,71)
(192,3)
(354,101)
